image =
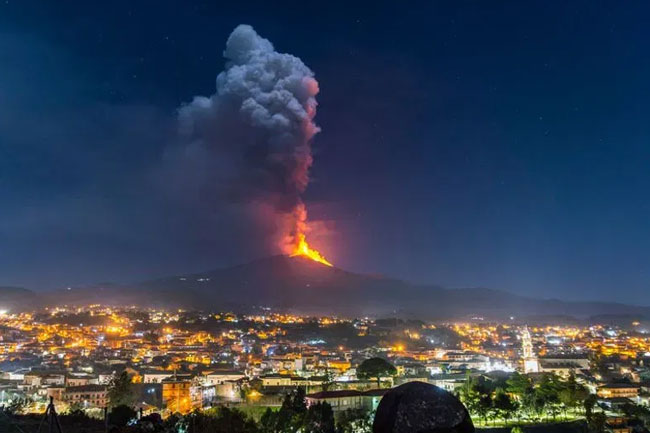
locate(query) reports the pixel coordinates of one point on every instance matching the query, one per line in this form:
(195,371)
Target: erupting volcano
(303,249)
(251,140)
(295,244)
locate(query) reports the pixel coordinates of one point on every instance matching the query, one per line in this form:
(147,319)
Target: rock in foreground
(417,407)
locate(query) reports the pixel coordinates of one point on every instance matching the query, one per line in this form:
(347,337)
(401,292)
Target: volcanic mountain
(290,283)
(303,285)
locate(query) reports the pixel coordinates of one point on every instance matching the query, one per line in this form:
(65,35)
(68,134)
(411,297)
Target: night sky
(493,144)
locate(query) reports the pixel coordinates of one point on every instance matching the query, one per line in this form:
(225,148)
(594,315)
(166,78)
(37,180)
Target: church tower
(531,364)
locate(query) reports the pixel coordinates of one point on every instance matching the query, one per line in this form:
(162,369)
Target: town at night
(178,364)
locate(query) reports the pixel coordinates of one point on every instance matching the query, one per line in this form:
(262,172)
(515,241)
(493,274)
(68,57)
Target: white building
(531,363)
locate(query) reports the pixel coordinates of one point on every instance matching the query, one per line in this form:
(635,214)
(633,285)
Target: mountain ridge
(302,285)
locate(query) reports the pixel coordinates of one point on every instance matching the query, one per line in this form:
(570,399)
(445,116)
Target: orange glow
(295,244)
(302,249)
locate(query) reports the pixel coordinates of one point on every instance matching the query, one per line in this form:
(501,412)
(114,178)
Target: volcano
(302,285)
(288,282)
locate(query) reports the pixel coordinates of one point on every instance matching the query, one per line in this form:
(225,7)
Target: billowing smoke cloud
(250,142)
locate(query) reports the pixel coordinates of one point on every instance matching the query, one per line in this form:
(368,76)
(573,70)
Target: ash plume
(250,142)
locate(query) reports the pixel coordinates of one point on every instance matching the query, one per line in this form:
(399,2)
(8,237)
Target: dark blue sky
(463,143)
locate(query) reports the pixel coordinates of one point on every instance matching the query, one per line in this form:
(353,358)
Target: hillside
(304,285)
(299,284)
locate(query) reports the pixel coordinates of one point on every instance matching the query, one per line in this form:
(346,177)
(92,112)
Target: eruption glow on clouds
(257,128)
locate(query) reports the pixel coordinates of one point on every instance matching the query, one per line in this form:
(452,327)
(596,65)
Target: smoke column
(251,140)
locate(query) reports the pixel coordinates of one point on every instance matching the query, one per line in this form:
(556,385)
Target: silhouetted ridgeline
(309,287)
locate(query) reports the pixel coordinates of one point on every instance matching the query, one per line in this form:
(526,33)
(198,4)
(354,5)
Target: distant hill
(16,298)
(296,283)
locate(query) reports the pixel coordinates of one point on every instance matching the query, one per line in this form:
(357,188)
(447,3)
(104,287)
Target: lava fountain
(304,250)
(296,245)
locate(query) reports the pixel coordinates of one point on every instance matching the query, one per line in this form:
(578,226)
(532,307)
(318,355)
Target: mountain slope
(310,287)
(287,282)
(300,284)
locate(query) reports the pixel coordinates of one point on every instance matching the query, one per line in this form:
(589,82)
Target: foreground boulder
(417,407)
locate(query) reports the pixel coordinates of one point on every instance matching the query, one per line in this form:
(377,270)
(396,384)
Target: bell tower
(531,364)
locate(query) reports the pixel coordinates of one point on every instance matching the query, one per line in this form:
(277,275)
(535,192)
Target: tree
(598,365)
(121,415)
(548,392)
(589,403)
(291,415)
(268,421)
(18,406)
(521,387)
(355,421)
(75,412)
(636,411)
(503,404)
(470,394)
(376,368)
(597,422)
(298,403)
(214,420)
(329,380)
(476,394)
(320,419)
(537,405)
(222,420)
(121,391)
(572,394)
(484,407)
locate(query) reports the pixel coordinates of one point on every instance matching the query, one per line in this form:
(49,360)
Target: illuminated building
(348,399)
(156,376)
(531,364)
(181,395)
(86,395)
(615,390)
(221,376)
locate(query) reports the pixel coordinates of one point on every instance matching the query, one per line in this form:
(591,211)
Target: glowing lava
(295,244)
(302,249)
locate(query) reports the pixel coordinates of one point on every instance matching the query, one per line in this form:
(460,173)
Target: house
(289,381)
(563,370)
(156,376)
(579,362)
(86,395)
(221,376)
(80,380)
(56,392)
(338,364)
(618,425)
(348,399)
(228,390)
(36,379)
(448,382)
(563,365)
(613,390)
(181,394)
